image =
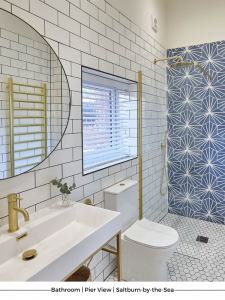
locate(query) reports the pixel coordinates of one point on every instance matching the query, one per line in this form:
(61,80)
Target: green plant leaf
(54,182)
(63,187)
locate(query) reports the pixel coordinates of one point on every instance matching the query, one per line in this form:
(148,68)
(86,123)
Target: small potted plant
(64,189)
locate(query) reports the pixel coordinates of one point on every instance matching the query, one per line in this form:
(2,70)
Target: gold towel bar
(26,117)
(27,93)
(29,101)
(26,157)
(26,166)
(29,85)
(25,125)
(24,108)
(34,132)
(29,141)
(28,149)
(43,94)
(109,250)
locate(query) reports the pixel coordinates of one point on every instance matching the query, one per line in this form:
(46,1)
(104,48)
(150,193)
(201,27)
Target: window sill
(107,165)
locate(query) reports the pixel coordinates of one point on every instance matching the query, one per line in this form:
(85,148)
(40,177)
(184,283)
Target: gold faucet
(13,212)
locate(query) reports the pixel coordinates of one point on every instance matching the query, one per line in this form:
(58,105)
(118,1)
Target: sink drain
(29,255)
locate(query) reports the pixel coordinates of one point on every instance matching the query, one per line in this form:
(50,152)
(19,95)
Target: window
(109,117)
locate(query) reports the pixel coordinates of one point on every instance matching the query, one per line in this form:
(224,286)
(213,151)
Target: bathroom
(156,136)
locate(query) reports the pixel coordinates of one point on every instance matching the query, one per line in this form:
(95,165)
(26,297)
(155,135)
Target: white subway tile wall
(30,62)
(96,35)
(18,55)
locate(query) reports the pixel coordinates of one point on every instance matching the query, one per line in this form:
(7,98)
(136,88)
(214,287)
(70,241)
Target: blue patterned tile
(196,133)
(209,212)
(221,157)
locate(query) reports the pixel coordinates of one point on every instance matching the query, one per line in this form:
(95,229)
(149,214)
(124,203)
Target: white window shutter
(105,114)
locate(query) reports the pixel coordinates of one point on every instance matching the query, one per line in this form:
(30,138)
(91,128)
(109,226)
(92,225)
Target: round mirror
(34,97)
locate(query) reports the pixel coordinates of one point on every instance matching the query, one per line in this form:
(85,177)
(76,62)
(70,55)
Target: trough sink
(64,237)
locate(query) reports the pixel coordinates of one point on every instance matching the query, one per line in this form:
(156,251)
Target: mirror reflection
(34,97)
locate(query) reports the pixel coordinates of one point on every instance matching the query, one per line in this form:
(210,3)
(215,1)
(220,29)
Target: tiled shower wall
(196,123)
(94,34)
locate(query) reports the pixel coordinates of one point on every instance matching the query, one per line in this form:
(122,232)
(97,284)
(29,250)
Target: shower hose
(164,167)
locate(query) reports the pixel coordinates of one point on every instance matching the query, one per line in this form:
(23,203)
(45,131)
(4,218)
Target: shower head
(188,64)
(183,64)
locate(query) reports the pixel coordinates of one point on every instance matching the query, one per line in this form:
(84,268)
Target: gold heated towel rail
(12,117)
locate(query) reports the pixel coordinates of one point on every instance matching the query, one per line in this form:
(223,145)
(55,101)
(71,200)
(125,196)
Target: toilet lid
(152,234)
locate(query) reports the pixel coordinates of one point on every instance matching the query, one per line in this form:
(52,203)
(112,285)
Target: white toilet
(146,245)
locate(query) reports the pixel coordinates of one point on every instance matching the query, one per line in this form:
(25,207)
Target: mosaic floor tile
(188,230)
(192,260)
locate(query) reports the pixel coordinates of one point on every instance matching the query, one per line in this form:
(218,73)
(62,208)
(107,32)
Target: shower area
(194,203)
(196,161)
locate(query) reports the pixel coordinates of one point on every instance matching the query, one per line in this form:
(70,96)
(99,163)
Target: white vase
(66,201)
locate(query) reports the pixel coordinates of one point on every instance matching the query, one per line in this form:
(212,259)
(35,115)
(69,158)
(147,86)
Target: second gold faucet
(13,212)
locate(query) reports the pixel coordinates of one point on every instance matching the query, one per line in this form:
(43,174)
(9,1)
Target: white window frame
(112,83)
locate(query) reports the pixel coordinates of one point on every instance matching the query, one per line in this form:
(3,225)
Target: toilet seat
(151,234)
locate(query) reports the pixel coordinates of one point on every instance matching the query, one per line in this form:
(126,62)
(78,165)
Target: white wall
(194,22)
(17,26)
(94,34)
(140,11)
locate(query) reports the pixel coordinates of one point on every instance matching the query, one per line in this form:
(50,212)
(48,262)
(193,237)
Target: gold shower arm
(201,68)
(168,58)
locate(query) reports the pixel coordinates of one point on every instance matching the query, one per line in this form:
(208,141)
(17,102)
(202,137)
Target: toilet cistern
(13,212)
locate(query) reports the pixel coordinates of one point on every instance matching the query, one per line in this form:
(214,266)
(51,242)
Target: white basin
(63,237)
